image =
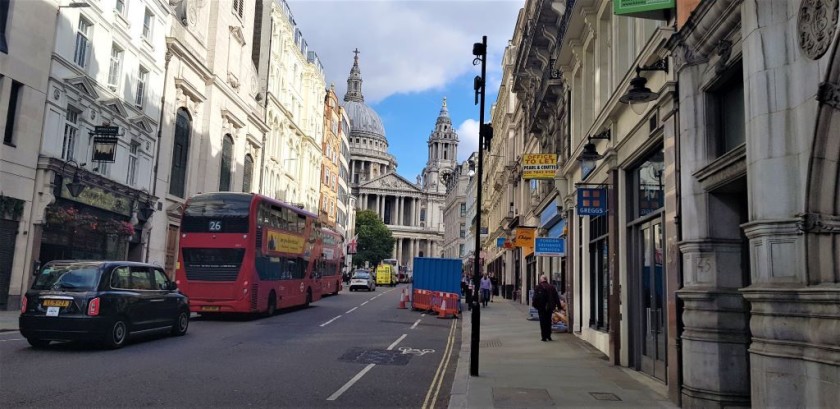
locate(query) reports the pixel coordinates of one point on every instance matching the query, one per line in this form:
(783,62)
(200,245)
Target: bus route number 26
(215,225)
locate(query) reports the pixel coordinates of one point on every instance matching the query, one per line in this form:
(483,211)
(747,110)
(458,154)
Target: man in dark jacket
(545,301)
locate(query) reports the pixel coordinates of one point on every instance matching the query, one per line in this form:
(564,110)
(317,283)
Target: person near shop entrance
(545,301)
(486,286)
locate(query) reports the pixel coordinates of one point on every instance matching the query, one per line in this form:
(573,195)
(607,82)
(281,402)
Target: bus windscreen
(217,213)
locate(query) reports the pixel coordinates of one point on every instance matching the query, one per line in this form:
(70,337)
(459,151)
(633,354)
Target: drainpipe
(159,134)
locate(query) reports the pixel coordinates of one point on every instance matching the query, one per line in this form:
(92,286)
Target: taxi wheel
(181,323)
(38,343)
(118,334)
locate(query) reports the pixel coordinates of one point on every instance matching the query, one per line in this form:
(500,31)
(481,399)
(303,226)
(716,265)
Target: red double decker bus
(248,253)
(332,262)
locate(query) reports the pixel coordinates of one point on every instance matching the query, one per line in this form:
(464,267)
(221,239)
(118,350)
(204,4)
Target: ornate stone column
(399,210)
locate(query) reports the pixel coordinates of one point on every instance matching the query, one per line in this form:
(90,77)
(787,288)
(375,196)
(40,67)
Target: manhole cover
(491,343)
(521,398)
(375,356)
(604,396)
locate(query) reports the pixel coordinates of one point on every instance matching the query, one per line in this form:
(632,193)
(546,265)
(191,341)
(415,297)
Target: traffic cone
(443,313)
(402,300)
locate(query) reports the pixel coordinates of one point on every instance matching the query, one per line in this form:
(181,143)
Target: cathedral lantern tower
(443,152)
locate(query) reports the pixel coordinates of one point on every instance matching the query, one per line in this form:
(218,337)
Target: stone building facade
(716,257)
(294,87)
(330,162)
(455,220)
(212,122)
(501,198)
(104,71)
(758,173)
(24,74)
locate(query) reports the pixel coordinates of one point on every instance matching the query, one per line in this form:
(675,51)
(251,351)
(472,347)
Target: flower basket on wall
(70,218)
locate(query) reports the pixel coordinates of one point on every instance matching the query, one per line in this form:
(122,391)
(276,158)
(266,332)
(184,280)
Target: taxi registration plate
(55,303)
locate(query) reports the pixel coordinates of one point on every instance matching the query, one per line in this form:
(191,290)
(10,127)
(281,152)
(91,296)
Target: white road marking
(328,322)
(373,298)
(415,324)
(351,310)
(13,339)
(350,383)
(397,341)
(365,302)
(361,373)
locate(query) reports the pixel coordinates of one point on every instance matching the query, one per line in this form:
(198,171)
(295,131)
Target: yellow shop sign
(539,166)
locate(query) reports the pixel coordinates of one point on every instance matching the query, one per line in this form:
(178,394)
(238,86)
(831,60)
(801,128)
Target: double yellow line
(437,381)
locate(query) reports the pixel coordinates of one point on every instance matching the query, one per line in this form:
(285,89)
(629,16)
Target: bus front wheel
(272,304)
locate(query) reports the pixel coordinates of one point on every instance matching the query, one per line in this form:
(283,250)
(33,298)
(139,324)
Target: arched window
(180,153)
(224,170)
(247,174)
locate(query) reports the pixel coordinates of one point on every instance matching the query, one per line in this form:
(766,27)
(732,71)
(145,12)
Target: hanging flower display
(71,218)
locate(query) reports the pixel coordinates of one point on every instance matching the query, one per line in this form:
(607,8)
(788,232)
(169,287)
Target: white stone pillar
(400,210)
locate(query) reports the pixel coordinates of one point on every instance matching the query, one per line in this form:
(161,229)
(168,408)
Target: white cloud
(468,139)
(406,46)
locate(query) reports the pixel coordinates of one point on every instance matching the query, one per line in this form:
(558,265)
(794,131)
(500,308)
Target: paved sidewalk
(9,320)
(517,370)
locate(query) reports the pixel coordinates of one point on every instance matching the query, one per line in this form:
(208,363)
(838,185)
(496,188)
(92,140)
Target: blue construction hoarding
(437,274)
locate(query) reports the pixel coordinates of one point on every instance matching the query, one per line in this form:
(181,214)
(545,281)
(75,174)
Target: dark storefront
(11,210)
(95,225)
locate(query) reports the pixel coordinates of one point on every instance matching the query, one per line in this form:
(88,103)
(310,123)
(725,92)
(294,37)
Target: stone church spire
(443,150)
(354,81)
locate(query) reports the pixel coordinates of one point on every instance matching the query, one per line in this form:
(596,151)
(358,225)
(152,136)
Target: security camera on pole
(485,135)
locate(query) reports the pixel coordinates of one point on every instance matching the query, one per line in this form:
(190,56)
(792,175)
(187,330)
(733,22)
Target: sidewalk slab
(517,370)
(9,320)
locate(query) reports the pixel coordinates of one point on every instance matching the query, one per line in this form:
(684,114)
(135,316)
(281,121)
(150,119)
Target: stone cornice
(709,23)
(176,47)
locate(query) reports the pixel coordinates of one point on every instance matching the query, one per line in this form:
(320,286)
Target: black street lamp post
(484,135)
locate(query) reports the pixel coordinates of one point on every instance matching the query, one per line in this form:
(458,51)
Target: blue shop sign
(500,242)
(549,246)
(591,201)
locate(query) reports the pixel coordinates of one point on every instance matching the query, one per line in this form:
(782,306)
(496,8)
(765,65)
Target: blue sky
(413,53)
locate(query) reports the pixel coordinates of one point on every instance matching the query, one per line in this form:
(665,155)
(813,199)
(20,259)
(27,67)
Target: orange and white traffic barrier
(402,300)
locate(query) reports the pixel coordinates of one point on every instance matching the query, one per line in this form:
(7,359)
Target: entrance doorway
(651,333)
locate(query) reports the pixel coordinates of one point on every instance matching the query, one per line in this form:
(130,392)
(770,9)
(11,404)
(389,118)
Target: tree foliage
(376,242)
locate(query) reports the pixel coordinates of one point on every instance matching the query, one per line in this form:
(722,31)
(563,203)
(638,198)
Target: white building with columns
(413,211)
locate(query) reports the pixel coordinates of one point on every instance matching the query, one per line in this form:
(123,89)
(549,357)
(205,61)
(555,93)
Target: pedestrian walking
(495,291)
(545,301)
(486,286)
(470,293)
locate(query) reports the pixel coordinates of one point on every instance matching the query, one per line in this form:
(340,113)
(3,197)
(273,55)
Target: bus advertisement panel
(247,253)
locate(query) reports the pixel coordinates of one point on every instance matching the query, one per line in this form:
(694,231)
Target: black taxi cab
(100,301)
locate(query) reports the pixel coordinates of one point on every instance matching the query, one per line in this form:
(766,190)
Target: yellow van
(386,275)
